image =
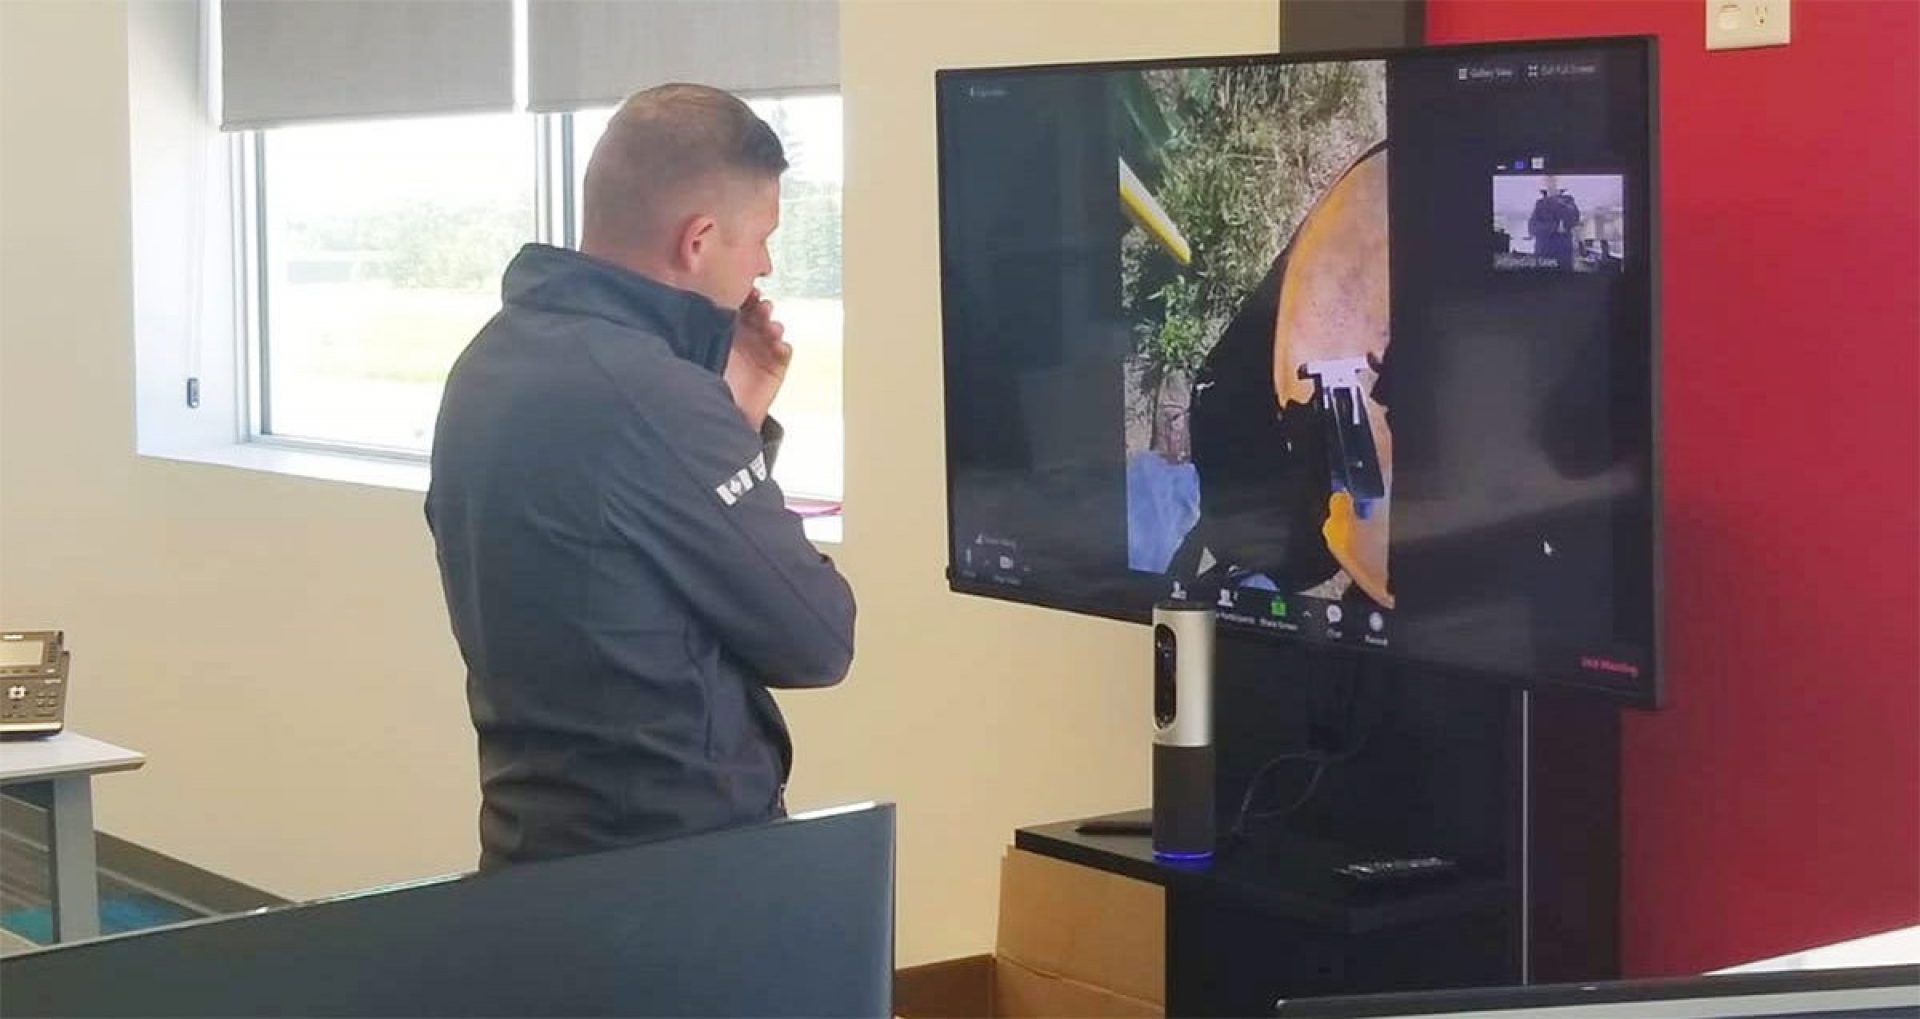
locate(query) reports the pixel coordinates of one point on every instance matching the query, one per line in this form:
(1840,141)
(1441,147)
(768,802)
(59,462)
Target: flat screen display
(1359,350)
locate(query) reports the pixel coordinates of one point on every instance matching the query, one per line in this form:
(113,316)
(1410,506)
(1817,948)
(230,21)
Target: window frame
(556,201)
(255,296)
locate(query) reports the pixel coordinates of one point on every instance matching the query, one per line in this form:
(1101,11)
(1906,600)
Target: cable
(1319,769)
(1347,709)
(1245,814)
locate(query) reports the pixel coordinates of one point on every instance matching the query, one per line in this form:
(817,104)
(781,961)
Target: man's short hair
(668,139)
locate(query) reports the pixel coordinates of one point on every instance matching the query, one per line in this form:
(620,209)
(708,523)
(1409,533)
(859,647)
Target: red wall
(1775,802)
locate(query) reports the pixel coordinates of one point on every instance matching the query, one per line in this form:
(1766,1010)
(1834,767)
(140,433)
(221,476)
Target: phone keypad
(31,702)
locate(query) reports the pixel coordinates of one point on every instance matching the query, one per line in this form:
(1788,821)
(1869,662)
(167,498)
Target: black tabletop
(1285,874)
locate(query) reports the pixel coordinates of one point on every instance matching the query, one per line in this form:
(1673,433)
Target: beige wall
(278,647)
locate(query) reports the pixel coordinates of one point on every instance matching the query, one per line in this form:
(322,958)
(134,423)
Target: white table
(1888,948)
(67,762)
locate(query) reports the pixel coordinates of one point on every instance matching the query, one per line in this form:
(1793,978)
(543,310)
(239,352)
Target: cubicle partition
(791,918)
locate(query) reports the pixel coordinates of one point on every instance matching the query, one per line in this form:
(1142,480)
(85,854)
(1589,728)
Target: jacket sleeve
(692,488)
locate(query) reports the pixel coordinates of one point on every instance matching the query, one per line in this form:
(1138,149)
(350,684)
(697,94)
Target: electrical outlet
(1739,24)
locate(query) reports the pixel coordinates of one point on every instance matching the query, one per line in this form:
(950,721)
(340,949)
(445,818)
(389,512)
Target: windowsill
(372,471)
(823,528)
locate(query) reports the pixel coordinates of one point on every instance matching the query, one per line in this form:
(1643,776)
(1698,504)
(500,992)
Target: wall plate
(1739,24)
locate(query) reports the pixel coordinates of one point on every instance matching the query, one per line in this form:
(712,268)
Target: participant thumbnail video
(1559,222)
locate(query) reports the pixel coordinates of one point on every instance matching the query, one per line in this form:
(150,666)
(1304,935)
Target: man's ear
(695,235)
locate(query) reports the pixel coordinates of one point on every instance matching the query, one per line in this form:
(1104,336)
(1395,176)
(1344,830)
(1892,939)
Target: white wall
(278,646)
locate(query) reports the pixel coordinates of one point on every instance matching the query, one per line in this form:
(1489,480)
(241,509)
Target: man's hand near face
(758,362)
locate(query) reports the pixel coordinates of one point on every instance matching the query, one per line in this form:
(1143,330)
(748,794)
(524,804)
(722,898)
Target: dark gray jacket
(623,577)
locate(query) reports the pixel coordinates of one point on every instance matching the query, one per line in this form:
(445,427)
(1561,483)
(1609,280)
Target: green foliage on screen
(1236,156)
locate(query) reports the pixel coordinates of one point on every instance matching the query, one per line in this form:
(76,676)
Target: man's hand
(758,363)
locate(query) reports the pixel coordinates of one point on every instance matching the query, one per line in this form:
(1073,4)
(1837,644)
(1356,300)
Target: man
(624,580)
(1554,219)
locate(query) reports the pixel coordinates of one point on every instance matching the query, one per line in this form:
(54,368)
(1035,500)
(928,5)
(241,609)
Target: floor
(26,918)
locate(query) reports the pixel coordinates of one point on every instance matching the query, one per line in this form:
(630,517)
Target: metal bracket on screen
(1352,456)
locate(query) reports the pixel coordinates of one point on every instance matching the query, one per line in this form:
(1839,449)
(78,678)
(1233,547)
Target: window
(375,251)
(378,250)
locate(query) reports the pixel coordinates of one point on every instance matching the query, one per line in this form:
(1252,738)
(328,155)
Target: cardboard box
(953,989)
(1073,941)
(1027,994)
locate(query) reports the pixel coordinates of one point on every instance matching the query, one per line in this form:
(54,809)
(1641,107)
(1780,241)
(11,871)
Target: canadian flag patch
(735,488)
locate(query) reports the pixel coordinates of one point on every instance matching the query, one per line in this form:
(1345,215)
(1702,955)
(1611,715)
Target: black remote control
(1116,826)
(1375,873)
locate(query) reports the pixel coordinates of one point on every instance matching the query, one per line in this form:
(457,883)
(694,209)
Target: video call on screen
(1358,352)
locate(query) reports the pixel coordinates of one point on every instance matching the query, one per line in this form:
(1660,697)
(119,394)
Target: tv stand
(1269,919)
(1521,789)
(1290,877)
